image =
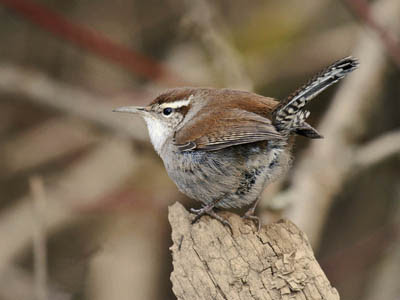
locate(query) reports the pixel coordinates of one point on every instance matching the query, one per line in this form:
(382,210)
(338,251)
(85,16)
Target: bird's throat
(158,132)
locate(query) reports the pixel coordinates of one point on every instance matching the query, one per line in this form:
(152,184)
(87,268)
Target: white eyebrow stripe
(177,104)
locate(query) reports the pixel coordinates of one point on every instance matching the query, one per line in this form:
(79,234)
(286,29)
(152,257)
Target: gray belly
(234,176)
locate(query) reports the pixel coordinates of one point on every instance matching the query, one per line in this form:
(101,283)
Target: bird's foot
(249,215)
(209,210)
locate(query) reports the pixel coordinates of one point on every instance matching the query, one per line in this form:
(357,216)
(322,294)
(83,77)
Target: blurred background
(84,198)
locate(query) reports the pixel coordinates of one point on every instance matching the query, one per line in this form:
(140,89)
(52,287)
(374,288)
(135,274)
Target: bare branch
(39,89)
(362,9)
(39,237)
(95,42)
(378,150)
(201,16)
(41,144)
(99,173)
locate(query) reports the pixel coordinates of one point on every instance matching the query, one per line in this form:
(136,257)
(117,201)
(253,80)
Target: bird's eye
(167,111)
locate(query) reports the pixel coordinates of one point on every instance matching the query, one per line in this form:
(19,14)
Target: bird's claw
(249,215)
(207,210)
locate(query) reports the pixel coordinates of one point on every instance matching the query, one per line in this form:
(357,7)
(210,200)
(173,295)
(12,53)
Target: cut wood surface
(210,262)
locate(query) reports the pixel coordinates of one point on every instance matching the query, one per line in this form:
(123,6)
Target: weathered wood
(212,263)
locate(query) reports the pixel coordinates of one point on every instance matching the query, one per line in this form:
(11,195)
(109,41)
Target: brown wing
(222,129)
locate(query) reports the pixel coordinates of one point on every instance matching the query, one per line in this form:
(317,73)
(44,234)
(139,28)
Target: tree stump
(210,262)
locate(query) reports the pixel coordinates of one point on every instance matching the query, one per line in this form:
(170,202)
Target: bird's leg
(209,210)
(250,214)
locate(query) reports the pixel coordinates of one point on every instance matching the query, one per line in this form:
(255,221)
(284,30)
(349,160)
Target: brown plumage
(230,118)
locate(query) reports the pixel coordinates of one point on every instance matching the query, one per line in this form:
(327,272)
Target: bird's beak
(131,109)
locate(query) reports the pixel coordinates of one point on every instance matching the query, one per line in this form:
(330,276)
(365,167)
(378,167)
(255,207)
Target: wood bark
(211,262)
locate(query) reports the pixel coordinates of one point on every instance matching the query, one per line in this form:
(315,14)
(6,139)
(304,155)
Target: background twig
(362,10)
(92,41)
(39,237)
(45,91)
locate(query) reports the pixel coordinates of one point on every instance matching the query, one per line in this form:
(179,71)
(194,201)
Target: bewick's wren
(222,146)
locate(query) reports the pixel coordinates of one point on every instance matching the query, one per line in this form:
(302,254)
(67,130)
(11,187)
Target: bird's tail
(289,115)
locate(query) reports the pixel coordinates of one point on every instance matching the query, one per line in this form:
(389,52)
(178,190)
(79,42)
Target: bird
(222,147)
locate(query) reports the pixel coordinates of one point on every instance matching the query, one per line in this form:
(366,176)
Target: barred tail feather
(288,115)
